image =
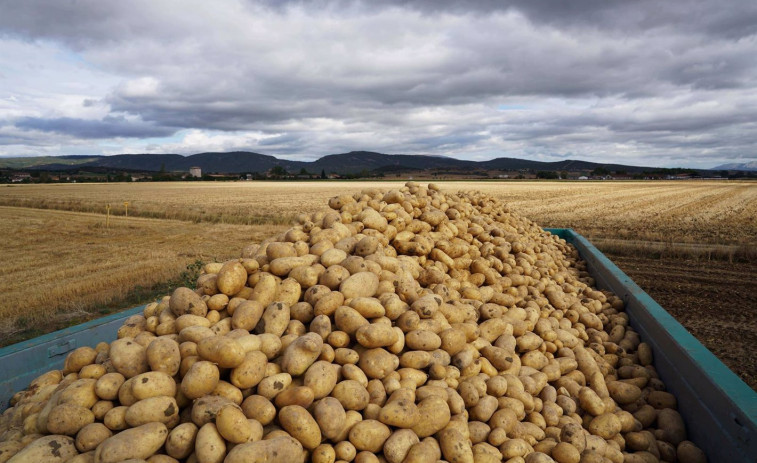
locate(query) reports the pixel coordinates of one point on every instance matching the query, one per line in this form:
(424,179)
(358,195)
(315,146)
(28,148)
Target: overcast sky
(659,83)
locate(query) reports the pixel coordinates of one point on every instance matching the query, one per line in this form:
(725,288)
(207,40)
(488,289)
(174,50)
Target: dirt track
(714,300)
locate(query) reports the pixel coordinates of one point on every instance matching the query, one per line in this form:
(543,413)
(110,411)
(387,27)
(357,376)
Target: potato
(272,385)
(128,357)
(689,453)
(300,425)
(68,419)
(115,418)
(330,416)
(232,425)
(400,410)
(88,457)
(247,315)
(369,435)
(180,442)
(159,409)
(140,442)
(455,447)
(301,353)
(78,359)
(51,449)
(221,350)
(605,426)
(671,424)
(163,355)
(276,450)
(185,301)
(259,408)
(376,335)
(231,278)
(591,402)
(8,449)
(563,452)
(351,394)
(378,363)
(201,379)
(321,378)
(275,319)
(398,445)
(250,372)
(361,284)
(153,384)
(209,445)
(91,435)
(623,393)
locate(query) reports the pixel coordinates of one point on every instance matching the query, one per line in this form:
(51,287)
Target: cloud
(612,80)
(108,127)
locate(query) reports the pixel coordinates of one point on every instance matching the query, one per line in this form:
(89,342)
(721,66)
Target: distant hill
(345,163)
(746,166)
(35,161)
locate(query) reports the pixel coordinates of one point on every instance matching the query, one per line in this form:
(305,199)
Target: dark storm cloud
(108,127)
(590,78)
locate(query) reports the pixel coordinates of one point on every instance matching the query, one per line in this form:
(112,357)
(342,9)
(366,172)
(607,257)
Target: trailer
(718,408)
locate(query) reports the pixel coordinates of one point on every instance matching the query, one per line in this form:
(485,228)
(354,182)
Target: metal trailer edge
(718,408)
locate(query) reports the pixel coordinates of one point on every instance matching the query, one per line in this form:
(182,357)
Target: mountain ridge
(343,163)
(750,166)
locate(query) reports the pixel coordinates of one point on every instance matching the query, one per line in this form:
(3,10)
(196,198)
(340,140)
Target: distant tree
(323,173)
(278,171)
(547,174)
(304,172)
(564,174)
(600,171)
(163,168)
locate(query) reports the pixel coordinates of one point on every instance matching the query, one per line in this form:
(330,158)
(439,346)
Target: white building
(195,172)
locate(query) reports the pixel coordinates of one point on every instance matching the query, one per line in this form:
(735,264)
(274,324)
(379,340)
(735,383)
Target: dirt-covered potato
(53,449)
(201,379)
(159,409)
(92,435)
(68,419)
(231,278)
(221,350)
(163,355)
(275,450)
(128,357)
(180,442)
(210,447)
(140,442)
(301,425)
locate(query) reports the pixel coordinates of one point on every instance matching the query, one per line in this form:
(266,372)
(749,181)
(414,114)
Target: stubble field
(691,245)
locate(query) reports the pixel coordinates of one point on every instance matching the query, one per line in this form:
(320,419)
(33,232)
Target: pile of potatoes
(407,326)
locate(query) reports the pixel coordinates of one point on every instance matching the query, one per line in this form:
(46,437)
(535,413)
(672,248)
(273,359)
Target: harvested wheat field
(690,244)
(62,267)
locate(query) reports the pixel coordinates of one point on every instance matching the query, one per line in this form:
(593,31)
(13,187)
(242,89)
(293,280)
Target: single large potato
(140,442)
(52,449)
(128,357)
(231,278)
(185,301)
(282,449)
